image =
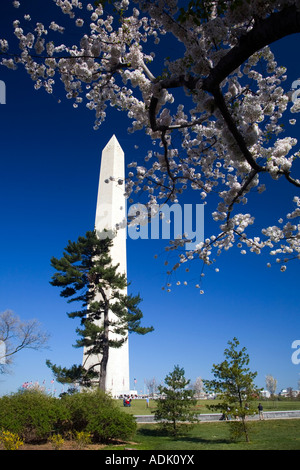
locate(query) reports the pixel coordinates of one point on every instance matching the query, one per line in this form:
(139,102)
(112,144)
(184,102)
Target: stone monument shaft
(110,213)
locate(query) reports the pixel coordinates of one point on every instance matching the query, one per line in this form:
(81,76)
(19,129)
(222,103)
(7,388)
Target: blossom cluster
(226,145)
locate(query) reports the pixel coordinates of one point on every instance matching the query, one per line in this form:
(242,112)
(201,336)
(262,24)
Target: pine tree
(86,276)
(174,407)
(235,388)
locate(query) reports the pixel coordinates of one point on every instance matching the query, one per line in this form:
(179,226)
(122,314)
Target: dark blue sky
(50,159)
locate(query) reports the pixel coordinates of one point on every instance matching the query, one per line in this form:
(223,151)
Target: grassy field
(139,407)
(265,435)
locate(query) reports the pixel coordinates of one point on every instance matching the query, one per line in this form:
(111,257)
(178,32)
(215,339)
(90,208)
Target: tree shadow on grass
(201,440)
(153,433)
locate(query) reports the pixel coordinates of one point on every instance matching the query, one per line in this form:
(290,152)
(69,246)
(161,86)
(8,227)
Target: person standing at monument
(260,411)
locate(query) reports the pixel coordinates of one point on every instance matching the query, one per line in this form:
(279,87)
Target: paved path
(209,417)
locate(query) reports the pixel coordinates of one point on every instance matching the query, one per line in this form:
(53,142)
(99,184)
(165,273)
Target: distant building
(287,392)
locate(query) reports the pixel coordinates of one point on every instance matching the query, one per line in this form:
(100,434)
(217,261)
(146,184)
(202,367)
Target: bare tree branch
(16,335)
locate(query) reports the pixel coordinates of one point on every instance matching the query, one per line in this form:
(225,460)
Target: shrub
(57,441)
(35,416)
(10,441)
(82,439)
(96,413)
(31,414)
(110,423)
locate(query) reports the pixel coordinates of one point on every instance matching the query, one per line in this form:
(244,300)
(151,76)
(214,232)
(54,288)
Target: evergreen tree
(234,387)
(86,276)
(174,407)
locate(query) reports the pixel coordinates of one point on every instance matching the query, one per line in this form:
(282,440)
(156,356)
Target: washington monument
(110,213)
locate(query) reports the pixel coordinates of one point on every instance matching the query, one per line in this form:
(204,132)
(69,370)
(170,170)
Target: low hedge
(35,416)
(31,414)
(98,414)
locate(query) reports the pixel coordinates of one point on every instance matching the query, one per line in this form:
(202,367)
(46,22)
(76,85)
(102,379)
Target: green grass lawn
(139,407)
(265,435)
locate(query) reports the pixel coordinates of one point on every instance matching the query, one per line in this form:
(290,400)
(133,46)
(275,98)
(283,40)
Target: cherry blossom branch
(249,179)
(290,179)
(264,32)
(220,103)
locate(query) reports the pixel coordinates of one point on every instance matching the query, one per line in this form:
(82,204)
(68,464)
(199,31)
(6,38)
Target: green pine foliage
(86,276)
(234,385)
(175,406)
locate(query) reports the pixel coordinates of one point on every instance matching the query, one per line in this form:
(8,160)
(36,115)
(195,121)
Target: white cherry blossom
(213,112)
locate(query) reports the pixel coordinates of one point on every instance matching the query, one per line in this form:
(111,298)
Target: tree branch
(251,176)
(220,103)
(264,32)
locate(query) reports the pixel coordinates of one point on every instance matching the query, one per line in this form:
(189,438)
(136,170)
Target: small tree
(16,335)
(271,384)
(197,386)
(176,402)
(151,385)
(86,275)
(234,386)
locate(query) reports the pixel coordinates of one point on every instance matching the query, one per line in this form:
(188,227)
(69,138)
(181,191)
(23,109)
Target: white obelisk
(110,213)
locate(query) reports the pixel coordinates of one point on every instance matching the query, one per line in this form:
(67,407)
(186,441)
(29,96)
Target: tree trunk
(245,429)
(105,354)
(103,368)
